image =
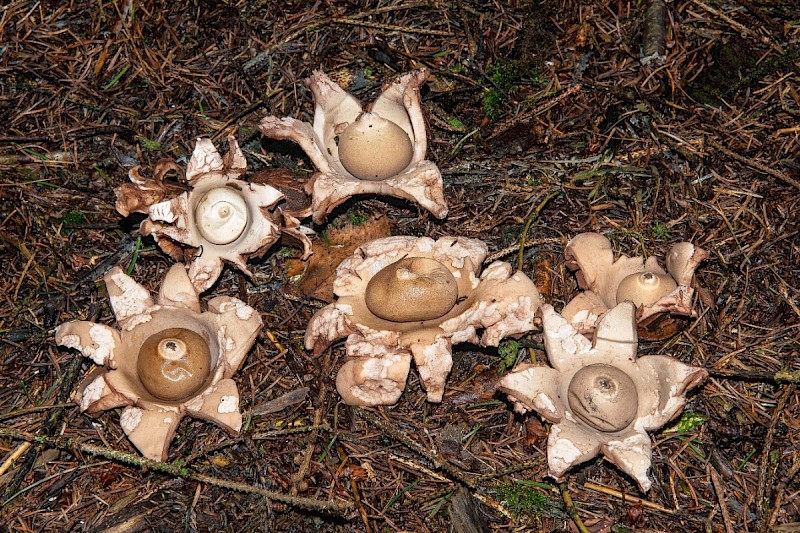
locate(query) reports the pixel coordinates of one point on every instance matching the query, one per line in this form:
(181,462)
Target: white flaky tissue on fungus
(659,295)
(220,218)
(404,297)
(165,360)
(601,398)
(378,151)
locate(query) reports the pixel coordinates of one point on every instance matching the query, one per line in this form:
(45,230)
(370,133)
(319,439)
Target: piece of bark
(654,41)
(465,513)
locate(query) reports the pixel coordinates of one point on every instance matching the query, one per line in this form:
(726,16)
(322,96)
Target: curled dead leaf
(317,274)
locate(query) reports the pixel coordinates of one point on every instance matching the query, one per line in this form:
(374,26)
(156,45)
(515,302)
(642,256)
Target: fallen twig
(654,40)
(764,465)
(571,510)
(176,469)
(526,465)
(781,376)
(779,492)
(626,497)
(29,410)
(514,248)
(414,446)
(719,489)
(528,224)
(359,505)
(738,27)
(14,456)
(23,249)
(391,27)
(506,125)
(275,433)
(754,164)
(71,135)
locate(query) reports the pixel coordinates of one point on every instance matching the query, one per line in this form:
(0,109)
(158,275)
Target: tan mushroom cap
(373,148)
(166,360)
(411,177)
(224,219)
(496,300)
(662,298)
(221,215)
(174,364)
(601,397)
(604,397)
(412,289)
(645,288)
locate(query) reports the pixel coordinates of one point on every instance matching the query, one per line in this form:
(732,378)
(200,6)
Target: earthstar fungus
(601,398)
(403,297)
(167,359)
(659,295)
(142,192)
(221,217)
(377,151)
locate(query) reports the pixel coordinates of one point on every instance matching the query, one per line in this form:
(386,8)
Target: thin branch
(626,497)
(571,510)
(530,222)
(414,446)
(764,468)
(719,489)
(779,493)
(654,40)
(781,376)
(506,125)
(391,27)
(177,469)
(754,164)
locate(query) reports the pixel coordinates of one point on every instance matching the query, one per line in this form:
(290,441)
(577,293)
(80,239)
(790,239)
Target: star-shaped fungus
(380,151)
(221,218)
(167,359)
(661,297)
(599,396)
(400,297)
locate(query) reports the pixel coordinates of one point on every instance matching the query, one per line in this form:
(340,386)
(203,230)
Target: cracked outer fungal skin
(660,296)
(167,359)
(601,398)
(377,151)
(221,217)
(142,192)
(379,350)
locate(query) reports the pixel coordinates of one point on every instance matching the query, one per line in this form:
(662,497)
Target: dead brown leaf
(330,249)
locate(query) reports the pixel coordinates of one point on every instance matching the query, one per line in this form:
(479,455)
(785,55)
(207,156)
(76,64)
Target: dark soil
(527,101)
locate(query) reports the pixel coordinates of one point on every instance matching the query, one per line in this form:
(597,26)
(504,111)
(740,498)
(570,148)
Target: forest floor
(544,122)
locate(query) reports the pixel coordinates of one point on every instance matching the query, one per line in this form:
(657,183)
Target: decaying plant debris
(544,123)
